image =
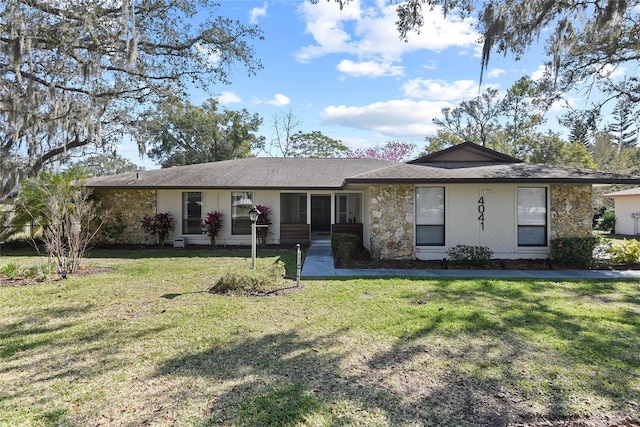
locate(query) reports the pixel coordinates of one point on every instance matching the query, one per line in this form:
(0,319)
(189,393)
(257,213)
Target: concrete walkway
(319,264)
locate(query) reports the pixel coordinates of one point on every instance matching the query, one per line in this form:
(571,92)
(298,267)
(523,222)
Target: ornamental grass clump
(242,279)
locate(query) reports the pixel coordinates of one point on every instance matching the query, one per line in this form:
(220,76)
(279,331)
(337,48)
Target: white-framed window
(191,212)
(532,216)
(347,208)
(430,205)
(241,204)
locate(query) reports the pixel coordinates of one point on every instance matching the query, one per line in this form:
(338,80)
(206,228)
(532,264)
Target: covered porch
(307,217)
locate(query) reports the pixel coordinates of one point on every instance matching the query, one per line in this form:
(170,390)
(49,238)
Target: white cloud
(279,100)
(539,73)
(369,30)
(495,72)
(430,65)
(257,12)
(440,90)
(208,53)
(226,98)
(612,72)
(369,68)
(403,118)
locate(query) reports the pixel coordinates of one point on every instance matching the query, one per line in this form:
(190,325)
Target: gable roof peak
(466,152)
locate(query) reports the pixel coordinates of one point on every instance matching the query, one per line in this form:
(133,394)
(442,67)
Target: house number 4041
(481,212)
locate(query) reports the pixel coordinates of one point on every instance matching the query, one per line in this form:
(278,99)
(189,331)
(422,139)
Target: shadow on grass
(286,379)
(281,380)
(576,339)
(489,355)
(145,251)
(30,332)
(52,350)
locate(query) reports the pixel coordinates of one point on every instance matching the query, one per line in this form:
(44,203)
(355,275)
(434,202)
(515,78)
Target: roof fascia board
(492,181)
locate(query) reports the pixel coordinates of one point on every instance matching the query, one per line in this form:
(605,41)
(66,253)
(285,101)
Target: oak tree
(317,145)
(180,133)
(75,74)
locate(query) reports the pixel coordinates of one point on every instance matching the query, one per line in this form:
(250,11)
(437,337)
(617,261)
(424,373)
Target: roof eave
(490,181)
(193,187)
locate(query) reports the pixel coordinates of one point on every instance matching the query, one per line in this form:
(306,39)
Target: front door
(320,213)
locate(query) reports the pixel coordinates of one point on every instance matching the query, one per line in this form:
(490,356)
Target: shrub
(158,226)
(574,251)
(625,252)
(347,247)
(608,222)
(243,279)
(63,217)
(113,227)
(470,256)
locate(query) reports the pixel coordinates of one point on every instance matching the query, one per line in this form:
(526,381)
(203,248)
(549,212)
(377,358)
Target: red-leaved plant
(263,232)
(158,226)
(212,224)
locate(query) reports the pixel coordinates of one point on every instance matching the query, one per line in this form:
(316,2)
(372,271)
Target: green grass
(144,344)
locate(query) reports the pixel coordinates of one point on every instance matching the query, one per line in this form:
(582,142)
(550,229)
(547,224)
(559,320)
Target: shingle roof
(303,173)
(255,172)
(460,172)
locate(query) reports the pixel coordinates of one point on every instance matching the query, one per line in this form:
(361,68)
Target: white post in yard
(299,258)
(253,216)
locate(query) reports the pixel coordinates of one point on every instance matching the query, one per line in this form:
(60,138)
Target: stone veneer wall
(391,213)
(571,210)
(131,206)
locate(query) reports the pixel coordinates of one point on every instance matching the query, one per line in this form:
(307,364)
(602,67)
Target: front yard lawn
(144,344)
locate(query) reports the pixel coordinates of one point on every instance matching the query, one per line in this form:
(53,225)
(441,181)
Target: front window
(191,212)
(430,216)
(293,208)
(532,216)
(347,208)
(241,204)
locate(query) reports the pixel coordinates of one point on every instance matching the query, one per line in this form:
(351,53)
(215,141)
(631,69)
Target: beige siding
(463,226)
(220,200)
(625,206)
(499,232)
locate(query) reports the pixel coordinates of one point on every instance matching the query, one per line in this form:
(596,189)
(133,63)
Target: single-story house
(466,194)
(627,209)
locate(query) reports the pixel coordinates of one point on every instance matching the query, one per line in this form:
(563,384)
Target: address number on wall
(481,212)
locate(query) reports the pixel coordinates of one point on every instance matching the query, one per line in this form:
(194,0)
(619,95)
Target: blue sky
(347,74)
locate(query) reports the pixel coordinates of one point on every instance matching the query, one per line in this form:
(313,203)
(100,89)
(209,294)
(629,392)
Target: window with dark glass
(532,216)
(293,208)
(430,216)
(191,212)
(241,204)
(347,208)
